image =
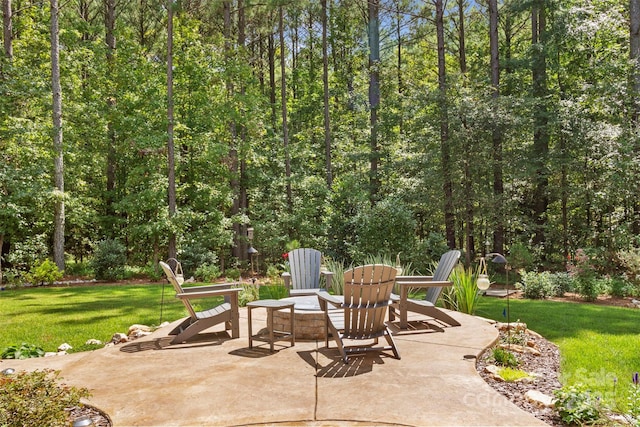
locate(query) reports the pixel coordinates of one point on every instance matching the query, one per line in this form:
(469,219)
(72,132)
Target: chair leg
(392,343)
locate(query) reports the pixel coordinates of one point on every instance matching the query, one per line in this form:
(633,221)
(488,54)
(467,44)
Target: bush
(22,351)
(109,260)
(247,294)
(577,405)
(207,273)
(537,285)
(617,286)
(45,273)
(194,256)
(36,399)
(463,296)
(583,271)
(502,357)
(562,282)
(232,274)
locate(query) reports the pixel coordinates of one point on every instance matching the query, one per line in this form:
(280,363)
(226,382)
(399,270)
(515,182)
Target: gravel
(545,369)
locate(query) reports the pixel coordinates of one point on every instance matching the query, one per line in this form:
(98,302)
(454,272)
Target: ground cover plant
(598,344)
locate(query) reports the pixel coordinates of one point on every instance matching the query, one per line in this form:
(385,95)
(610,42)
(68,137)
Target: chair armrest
(286,277)
(328,277)
(325,297)
(208,293)
(207,288)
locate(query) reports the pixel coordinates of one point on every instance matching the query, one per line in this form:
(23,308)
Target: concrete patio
(217,381)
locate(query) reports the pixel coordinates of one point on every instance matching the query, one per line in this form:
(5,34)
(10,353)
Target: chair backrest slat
(447,263)
(176,286)
(367,290)
(304,265)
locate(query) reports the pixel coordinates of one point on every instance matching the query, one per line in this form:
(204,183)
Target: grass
(50,316)
(598,344)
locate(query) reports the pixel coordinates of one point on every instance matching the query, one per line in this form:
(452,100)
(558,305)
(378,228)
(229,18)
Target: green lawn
(598,344)
(49,316)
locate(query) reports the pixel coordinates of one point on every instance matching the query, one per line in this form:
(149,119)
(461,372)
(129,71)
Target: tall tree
(496,134)
(634,54)
(325,91)
(374,95)
(283,98)
(7,28)
(171,190)
(59,210)
(110,39)
(445,150)
(541,137)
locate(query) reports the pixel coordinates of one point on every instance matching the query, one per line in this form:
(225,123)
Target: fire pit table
(309,318)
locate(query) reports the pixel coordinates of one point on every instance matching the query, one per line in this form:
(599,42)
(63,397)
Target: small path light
(83,421)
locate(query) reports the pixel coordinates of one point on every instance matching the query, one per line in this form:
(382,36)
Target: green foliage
(207,273)
(45,273)
(22,351)
(385,229)
(561,282)
(616,286)
(521,257)
(28,252)
(583,272)
(232,274)
(337,268)
(537,285)
(248,293)
(633,400)
(273,272)
(463,296)
(510,374)
(577,405)
(273,292)
(109,260)
(37,399)
(503,357)
(630,261)
(427,251)
(194,256)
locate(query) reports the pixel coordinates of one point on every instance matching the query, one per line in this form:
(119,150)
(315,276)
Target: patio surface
(217,381)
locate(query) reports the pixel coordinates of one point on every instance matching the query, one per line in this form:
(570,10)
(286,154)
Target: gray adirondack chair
(305,271)
(434,284)
(226,312)
(361,313)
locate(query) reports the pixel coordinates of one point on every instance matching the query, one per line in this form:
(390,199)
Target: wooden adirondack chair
(434,284)
(305,271)
(226,312)
(363,310)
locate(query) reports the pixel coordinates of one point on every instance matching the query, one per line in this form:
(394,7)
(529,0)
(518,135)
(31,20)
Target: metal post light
(498,258)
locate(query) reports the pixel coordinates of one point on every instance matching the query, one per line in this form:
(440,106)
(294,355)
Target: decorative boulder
(64,347)
(119,338)
(93,341)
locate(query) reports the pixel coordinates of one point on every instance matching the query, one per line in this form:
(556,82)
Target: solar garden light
(83,421)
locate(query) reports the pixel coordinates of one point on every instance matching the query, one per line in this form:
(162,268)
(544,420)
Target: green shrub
(207,273)
(248,293)
(22,351)
(109,260)
(463,296)
(273,292)
(536,285)
(583,271)
(562,283)
(195,255)
(337,281)
(45,273)
(273,272)
(502,357)
(510,374)
(617,286)
(577,405)
(36,399)
(232,274)
(521,257)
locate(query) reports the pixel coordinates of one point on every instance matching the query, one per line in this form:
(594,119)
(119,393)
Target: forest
(358,127)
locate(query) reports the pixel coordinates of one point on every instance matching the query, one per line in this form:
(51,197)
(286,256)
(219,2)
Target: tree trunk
(469,224)
(110,21)
(272,81)
(496,133)
(285,128)
(447,184)
(170,121)
(59,214)
(541,133)
(7,28)
(634,54)
(325,89)
(374,97)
